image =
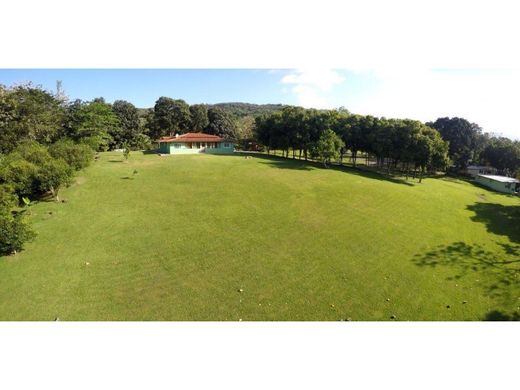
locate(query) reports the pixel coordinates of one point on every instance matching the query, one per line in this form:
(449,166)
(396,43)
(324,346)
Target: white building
(508,185)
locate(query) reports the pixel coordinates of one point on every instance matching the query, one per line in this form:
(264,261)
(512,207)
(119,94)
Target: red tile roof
(192,137)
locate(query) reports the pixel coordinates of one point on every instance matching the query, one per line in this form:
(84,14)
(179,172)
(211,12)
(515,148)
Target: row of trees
(31,113)
(453,142)
(408,143)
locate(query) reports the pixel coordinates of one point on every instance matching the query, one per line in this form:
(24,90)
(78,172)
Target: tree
(170,117)
(328,147)
(221,123)
(503,154)
(199,117)
(28,113)
(463,138)
(126,151)
(354,130)
(95,124)
(293,128)
(245,126)
(128,116)
(262,130)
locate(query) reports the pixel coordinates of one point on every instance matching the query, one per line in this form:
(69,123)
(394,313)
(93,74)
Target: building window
(176,146)
(226,145)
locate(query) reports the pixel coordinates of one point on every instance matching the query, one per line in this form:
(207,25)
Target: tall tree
(221,123)
(170,116)
(94,123)
(462,136)
(503,154)
(128,116)
(328,147)
(199,117)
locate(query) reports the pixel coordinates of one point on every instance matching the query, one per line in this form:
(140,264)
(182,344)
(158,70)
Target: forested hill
(240,110)
(248,109)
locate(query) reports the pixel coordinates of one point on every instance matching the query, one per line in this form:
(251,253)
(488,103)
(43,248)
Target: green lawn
(179,239)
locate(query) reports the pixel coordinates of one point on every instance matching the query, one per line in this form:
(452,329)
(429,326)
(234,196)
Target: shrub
(142,142)
(14,232)
(78,156)
(7,197)
(31,170)
(19,173)
(52,175)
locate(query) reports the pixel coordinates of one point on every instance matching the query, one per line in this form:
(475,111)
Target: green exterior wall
(181,148)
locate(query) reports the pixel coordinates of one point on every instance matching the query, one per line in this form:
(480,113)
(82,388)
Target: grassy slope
(177,241)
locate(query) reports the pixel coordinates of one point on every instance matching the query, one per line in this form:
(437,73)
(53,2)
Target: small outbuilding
(475,170)
(507,185)
(191,143)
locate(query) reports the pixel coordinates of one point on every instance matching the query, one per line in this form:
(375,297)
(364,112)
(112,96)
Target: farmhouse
(504,184)
(191,143)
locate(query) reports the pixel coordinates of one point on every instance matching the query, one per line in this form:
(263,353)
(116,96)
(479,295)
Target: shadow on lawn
(497,272)
(497,315)
(499,219)
(302,165)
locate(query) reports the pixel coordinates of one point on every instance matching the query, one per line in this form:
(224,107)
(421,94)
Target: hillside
(226,238)
(248,109)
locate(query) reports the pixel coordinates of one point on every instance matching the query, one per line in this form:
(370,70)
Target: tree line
(328,135)
(445,144)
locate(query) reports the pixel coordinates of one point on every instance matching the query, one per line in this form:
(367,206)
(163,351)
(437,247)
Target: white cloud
(487,97)
(312,86)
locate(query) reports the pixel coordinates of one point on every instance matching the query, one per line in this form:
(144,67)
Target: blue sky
(487,97)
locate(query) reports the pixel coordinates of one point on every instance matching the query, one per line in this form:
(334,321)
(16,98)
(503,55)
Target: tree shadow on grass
(499,270)
(499,219)
(498,273)
(497,315)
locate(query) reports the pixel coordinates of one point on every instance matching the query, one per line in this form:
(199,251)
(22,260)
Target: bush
(141,142)
(31,170)
(19,173)
(8,199)
(52,175)
(78,156)
(14,232)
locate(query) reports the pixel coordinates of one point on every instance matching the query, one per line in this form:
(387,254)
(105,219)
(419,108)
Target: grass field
(181,238)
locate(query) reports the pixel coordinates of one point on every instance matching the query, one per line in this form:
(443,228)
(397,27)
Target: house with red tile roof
(191,143)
